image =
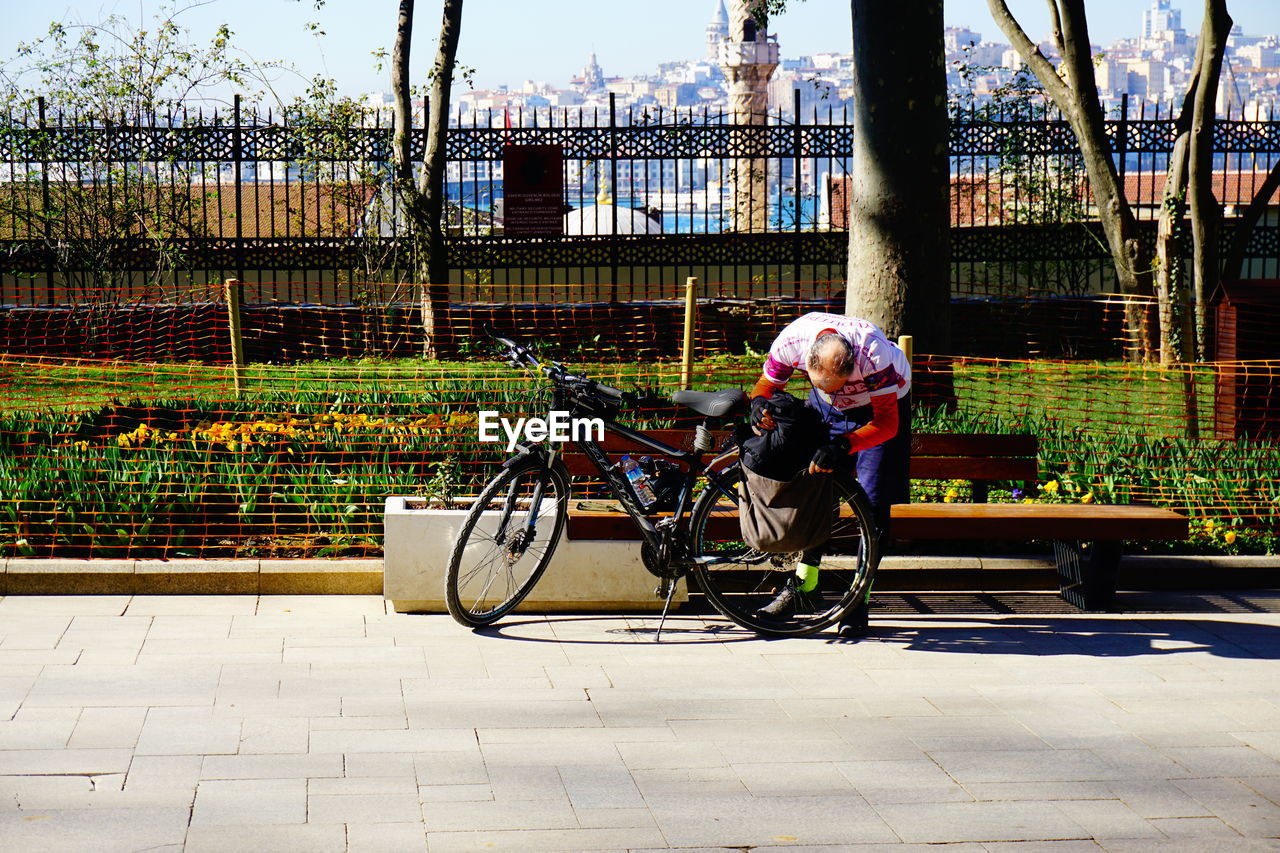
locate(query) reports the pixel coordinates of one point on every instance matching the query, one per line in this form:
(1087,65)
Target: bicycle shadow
(1050,636)
(587,628)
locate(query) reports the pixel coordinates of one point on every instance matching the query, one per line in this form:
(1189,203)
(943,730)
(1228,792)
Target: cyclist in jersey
(861,385)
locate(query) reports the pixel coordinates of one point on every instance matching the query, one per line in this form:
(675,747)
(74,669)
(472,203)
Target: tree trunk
(899,272)
(1075,92)
(421,205)
(1177,334)
(1206,213)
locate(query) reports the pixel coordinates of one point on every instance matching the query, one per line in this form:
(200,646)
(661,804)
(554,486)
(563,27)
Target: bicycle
(512,529)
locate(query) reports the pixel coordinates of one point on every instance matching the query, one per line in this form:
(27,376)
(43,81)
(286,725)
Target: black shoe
(782,607)
(854,621)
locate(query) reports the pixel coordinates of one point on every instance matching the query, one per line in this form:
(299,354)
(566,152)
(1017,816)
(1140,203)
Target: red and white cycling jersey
(879,366)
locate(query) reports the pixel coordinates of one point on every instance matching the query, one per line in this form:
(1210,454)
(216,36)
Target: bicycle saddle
(713,404)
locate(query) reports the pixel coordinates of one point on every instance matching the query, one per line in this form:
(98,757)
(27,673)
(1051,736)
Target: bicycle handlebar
(556,372)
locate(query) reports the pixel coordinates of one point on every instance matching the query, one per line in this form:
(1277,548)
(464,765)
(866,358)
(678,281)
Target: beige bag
(779,516)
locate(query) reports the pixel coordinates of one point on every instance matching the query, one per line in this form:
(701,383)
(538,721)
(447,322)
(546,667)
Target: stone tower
(748,58)
(717,31)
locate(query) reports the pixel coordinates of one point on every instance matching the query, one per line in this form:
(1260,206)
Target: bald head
(829,362)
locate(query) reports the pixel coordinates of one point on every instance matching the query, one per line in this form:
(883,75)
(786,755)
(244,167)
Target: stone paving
(325,723)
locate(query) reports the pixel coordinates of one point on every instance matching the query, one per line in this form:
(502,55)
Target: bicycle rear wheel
(739,581)
(506,542)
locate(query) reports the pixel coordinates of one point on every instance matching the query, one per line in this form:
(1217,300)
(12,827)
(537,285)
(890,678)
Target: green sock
(808,577)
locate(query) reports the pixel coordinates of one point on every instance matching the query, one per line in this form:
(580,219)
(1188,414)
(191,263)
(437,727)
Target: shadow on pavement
(1046,636)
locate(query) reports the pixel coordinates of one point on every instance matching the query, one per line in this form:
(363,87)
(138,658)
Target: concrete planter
(583,575)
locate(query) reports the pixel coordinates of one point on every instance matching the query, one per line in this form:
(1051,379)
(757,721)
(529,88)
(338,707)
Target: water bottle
(639,482)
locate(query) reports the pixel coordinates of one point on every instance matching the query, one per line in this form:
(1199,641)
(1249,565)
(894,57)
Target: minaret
(717,31)
(748,59)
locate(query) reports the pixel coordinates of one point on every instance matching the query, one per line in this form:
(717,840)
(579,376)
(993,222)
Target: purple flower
(1018,494)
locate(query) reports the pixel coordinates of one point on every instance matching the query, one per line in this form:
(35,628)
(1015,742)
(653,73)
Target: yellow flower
(1028,500)
(1209,525)
(1230,537)
(1051,486)
(952,494)
(949,498)
(1086,498)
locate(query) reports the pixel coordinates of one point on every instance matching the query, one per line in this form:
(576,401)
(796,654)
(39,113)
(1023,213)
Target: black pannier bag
(781,507)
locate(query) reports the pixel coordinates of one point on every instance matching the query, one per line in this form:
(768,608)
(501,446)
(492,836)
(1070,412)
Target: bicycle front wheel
(739,581)
(506,542)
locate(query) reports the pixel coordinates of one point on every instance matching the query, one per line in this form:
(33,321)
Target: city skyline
(551,42)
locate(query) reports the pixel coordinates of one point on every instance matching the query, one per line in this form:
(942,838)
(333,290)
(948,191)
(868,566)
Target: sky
(510,41)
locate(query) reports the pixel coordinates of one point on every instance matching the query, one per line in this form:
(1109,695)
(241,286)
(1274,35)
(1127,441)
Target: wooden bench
(1086,539)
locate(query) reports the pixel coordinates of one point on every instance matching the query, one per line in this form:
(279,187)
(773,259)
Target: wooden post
(690,321)
(906,343)
(235,296)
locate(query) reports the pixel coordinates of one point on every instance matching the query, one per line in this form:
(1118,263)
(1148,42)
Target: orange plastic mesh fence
(294,452)
(372,320)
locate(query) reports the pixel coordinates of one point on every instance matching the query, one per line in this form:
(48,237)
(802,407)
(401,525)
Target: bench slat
(1035,521)
(988,470)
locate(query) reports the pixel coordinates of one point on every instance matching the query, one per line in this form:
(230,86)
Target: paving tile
(187,731)
(1157,799)
(1195,827)
(44,728)
(980,821)
(1108,819)
(793,780)
(737,821)
(61,762)
(454,793)
(262,802)
(652,756)
(393,741)
(561,840)
(600,787)
(409,837)
(64,605)
(508,814)
(106,830)
(269,838)
(287,766)
(1224,761)
(522,782)
(464,767)
(1063,765)
(363,808)
(107,728)
(274,735)
(615,818)
(342,786)
(174,776)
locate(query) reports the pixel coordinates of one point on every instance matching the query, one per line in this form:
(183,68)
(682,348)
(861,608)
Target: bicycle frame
(621,489)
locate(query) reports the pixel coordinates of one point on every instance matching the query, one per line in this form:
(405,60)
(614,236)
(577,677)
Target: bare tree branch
(1030,53)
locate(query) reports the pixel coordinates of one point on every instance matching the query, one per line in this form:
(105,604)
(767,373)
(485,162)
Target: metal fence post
(237,157)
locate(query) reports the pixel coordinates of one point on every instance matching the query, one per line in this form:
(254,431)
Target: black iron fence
(163,207)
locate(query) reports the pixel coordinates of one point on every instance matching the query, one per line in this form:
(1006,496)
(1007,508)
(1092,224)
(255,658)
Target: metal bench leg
(1087,577)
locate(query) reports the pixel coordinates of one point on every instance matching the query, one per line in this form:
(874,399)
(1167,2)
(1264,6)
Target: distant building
(717,30)
(592,79)
(956,39)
